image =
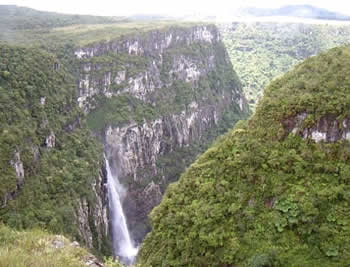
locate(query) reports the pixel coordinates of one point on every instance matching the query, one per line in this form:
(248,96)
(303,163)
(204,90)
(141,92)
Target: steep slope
(262,51)
(157,100)
(50,165)
(272,192)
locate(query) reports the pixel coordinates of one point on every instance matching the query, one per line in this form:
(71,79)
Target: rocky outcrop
(142,60)
(328,128)
(17,164)
(136,146)
(50,141)
(59,242)
(92,217)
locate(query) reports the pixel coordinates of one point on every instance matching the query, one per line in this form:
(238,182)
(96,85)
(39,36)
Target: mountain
(275,190)
(299,11)
(263,51)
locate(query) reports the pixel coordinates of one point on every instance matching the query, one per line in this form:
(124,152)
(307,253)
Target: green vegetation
(38,99)
(173,164)
(261,52)
(88,34)
(261,196)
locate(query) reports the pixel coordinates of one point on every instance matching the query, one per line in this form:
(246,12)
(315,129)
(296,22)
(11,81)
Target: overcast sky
(169,7)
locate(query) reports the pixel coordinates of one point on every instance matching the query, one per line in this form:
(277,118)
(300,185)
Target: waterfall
(122,244)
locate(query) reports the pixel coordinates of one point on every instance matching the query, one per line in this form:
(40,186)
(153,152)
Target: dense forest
(262,51)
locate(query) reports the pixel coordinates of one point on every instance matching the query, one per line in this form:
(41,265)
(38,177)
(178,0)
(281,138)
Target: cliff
(157,100)
(273,191)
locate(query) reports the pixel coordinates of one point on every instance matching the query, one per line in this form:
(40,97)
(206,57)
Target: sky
(168,7)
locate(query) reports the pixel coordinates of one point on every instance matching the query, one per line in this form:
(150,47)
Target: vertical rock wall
(184,76)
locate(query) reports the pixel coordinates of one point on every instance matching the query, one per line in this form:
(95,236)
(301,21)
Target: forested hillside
(49,160)
(262,51)
(275,190)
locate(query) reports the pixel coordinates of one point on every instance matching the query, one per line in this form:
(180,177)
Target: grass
(84,34)
(38,248)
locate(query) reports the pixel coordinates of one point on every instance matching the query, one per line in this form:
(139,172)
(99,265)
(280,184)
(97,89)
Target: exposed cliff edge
(275,190)
(157,100)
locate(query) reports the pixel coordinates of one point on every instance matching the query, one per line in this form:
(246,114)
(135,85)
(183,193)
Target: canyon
(151,101)
(131,136)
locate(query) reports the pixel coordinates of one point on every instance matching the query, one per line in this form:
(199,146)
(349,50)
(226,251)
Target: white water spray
(122,244)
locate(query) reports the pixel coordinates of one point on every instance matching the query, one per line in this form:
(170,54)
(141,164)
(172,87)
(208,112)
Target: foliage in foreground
(38,248)
(262,196)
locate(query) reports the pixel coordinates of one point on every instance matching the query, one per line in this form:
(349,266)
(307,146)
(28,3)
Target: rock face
(17,164)
(92,219)
(327,128)
(184,77)
(136,146)
(136,64)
